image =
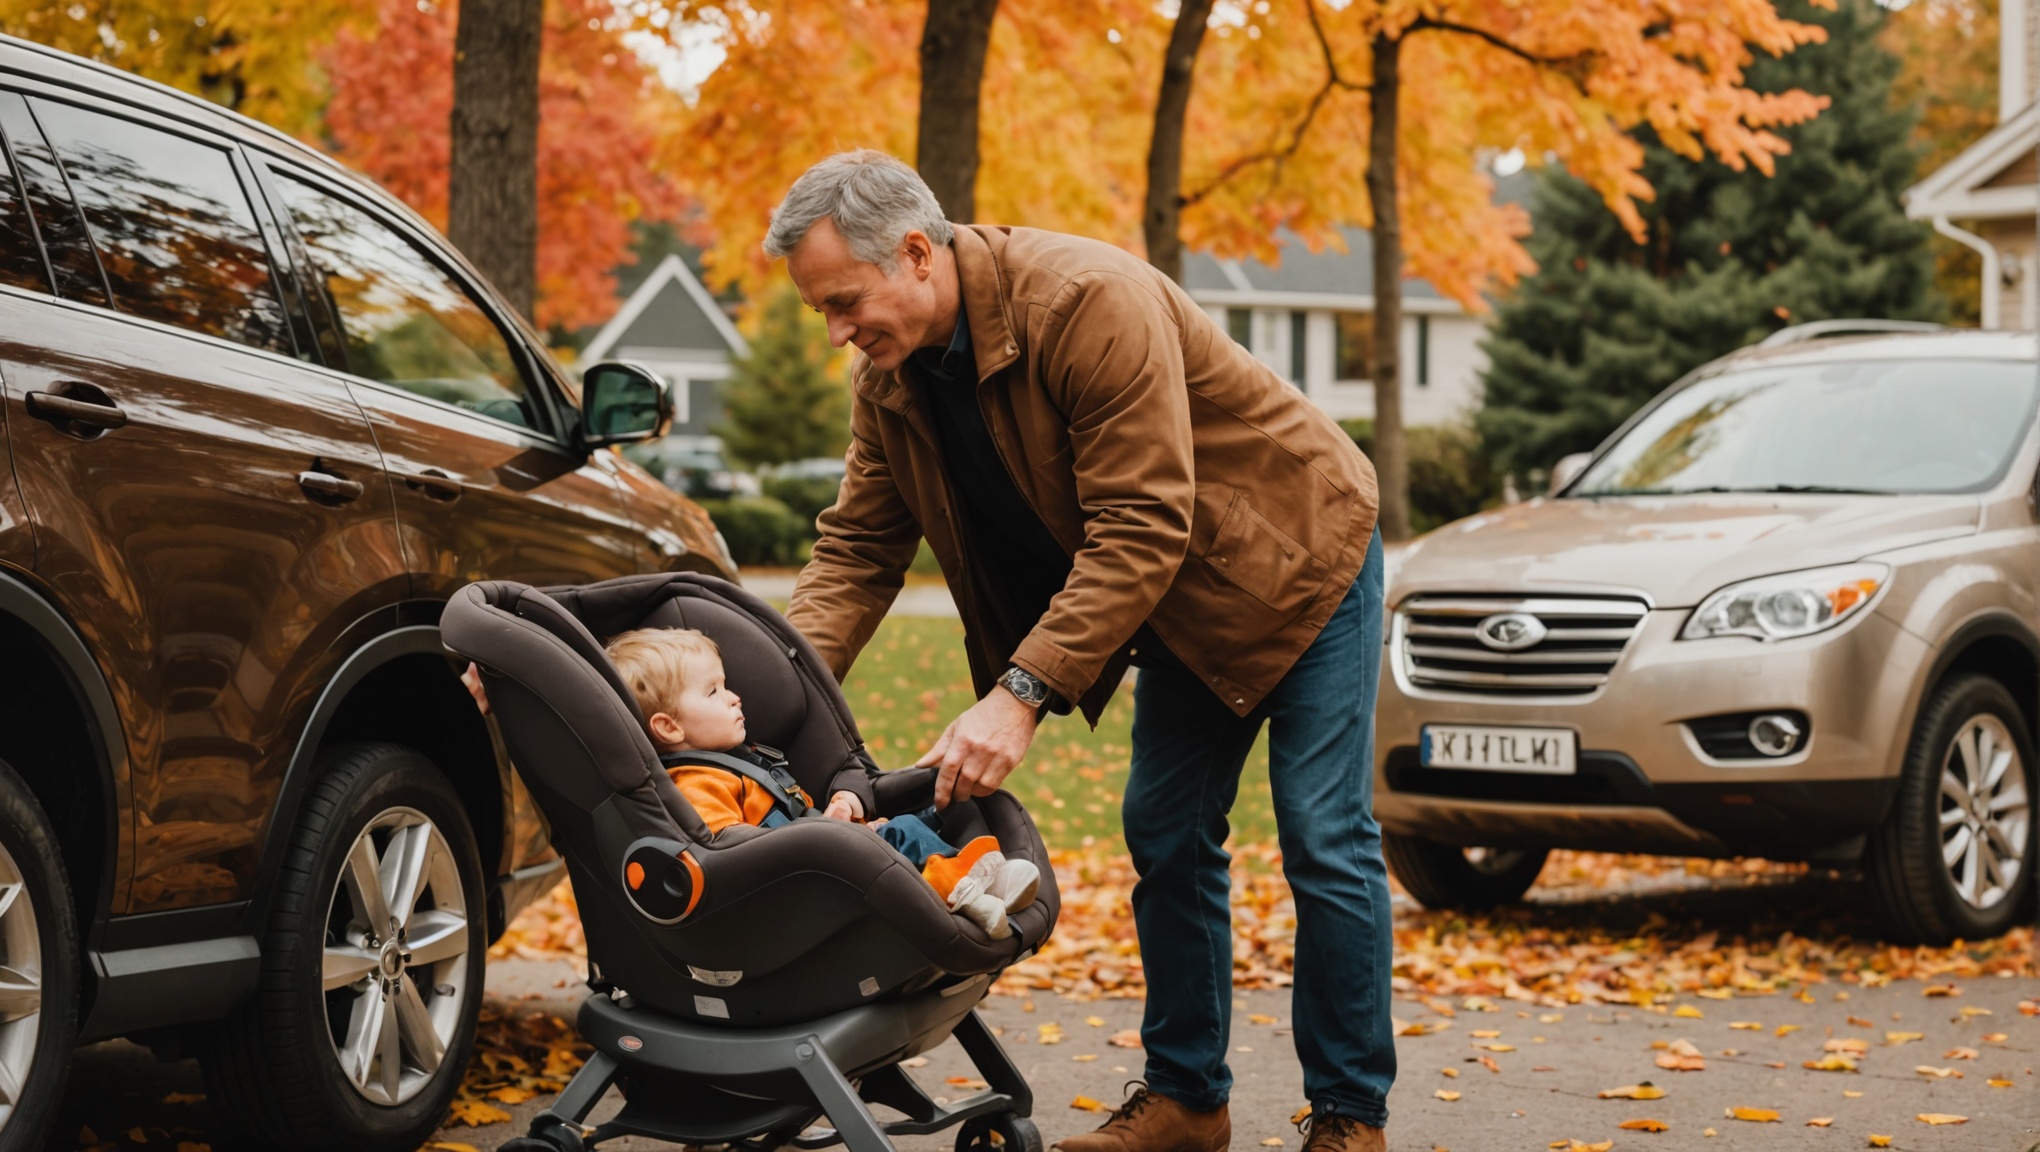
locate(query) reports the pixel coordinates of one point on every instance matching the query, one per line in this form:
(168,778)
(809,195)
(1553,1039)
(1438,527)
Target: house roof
(670,312)
(1991,179)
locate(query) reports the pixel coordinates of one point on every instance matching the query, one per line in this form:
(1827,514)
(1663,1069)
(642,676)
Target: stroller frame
(761,1089)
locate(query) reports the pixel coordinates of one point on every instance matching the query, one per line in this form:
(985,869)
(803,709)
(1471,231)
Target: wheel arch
(61,732)
(2000,646)
(399,687)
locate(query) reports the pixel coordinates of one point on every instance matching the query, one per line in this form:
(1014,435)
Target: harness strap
(771,775)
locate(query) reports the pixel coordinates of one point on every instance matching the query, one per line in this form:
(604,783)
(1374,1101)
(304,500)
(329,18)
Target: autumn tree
(1162,209)
(1948,69)
(954,39)
(601,118)
(1726,256)
(492,199)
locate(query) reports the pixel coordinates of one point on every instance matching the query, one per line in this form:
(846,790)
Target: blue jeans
(1188,750)
(911,837)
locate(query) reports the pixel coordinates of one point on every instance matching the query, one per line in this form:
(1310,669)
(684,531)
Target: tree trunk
(1391,461)
(953,44)
(492,206)
(1162,221)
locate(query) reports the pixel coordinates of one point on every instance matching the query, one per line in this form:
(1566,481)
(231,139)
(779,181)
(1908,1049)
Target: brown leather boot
(1151,1122)
(1333,1132)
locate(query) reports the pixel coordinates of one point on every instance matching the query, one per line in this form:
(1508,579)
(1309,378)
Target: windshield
(1867,426)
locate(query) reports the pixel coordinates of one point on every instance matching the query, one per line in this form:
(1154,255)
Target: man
(1107,478)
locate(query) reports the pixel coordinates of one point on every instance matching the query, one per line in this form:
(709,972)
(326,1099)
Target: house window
(1296,347)
(1354,345)
(1423,351)
(1239,323)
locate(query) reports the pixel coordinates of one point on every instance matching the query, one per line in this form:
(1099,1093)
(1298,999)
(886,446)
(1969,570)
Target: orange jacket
(722,798)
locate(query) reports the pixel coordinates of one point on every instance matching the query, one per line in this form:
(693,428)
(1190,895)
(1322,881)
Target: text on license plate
(1544,750)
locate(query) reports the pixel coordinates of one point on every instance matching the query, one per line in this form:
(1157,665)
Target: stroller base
(763,1088)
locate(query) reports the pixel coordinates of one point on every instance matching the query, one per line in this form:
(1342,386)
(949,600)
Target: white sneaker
(978,881)
(989,914)
(1016,884)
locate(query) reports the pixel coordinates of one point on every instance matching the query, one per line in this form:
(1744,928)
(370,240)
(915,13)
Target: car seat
(746,983)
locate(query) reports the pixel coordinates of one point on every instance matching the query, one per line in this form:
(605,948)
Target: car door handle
(326,486)
(52,407)
(434,484)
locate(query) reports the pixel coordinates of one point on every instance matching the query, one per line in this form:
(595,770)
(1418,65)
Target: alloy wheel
(1985,812)
(397,939)
(21,992)
(1493,861)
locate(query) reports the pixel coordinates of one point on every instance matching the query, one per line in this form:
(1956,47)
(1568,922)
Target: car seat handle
(662,879)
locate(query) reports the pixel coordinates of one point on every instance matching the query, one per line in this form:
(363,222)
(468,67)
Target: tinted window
(405,321)
(49,201)
(172,226)
(1867,426)
(21,263)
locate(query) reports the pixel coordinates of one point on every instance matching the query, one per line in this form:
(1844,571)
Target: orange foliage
(598,158)
(1949,50)
(1069,95)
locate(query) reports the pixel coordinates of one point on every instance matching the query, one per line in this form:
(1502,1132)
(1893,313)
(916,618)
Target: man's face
(886,317)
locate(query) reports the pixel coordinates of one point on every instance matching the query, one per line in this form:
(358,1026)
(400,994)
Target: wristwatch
(1025,686)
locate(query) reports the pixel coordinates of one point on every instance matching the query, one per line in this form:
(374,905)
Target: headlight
(1794,604)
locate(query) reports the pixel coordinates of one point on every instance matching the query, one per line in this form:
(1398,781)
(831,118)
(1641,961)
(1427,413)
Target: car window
(172,225)
(21,263)
(1885,426)
(403,319)
(49,203)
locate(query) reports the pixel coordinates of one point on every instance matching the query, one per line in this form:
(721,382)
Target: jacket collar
(986,308)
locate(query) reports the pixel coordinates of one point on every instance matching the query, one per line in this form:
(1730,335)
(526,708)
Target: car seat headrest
(755,666)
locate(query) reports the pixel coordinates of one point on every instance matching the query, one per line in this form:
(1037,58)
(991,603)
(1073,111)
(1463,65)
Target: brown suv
(261,422)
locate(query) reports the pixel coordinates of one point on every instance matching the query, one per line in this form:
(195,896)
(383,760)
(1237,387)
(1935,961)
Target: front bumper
(1644,783)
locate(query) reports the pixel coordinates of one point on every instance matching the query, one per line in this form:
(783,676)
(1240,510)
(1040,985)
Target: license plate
(1545,751)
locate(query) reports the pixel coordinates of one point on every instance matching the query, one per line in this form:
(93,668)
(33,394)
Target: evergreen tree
(1729,257)
(786,401)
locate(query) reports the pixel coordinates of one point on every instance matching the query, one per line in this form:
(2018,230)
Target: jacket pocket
(1263,561)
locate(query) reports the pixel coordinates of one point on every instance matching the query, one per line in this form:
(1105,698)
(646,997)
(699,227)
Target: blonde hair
(651,662)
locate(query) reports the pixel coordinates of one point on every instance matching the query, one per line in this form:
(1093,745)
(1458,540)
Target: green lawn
(913,680)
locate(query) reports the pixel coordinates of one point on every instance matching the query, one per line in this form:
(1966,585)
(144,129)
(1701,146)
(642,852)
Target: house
(1311,319)
(1987,197)
(671,325)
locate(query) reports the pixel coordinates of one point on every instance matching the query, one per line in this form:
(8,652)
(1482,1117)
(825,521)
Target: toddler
(676,674)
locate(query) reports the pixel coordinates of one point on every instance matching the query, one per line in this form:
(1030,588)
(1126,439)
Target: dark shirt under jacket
(1017,553)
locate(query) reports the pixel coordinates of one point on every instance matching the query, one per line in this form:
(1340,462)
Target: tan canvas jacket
(1194,489)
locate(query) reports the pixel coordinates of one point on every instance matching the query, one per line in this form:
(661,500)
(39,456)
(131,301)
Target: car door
(208,509)
(472,431)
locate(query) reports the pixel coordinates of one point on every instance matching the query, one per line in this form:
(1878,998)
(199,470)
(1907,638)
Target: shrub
(807,496)
(1449,477)
(760,529)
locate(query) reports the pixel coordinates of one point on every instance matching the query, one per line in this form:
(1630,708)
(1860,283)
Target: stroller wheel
(998,1134)
(551,1138)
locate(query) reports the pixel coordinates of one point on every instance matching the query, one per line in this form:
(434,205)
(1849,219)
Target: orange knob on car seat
(634,875)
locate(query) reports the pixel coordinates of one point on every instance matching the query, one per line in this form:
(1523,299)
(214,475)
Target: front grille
(1441,647)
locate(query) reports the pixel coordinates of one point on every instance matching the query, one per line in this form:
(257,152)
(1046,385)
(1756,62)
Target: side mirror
(1567,470)
(622,403)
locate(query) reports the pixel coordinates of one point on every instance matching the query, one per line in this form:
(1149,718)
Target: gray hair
(874,200)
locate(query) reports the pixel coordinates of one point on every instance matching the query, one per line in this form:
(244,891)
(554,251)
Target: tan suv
(1787,610)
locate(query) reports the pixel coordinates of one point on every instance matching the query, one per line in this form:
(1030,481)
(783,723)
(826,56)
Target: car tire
(1446,876)
(357,1035)
(38,968)
(1965,802)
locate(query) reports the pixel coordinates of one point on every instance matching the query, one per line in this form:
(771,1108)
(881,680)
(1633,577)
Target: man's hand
(980,747)
(473,679)
(845,806)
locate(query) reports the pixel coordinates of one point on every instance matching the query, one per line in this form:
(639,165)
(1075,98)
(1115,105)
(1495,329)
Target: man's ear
(918,253)
(665,729)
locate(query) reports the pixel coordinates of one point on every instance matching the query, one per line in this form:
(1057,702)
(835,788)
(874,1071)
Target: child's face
(708,714)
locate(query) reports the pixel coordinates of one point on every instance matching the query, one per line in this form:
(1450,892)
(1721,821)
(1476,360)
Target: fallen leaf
(1774,1063)
(1820,1122)
(1420,1029)
(1301,1115)
(1709,1132)
(1903,1037)
(1859,1022)
(1272,1142)
(1753,1115)
(1049,1033)
(1852,1044)
(1260,1018)
(1488,1062)
(1940,990)
(2029,1007)
(136,1135)
(1969,1010)
(1087,1104)
(1747,1026)
(452,1146)
(1959,1054)
(476,1113)
(512,1094)
(1451,1072)
(1682,1056)
(1551,1018)
(1542,1068)
(1095,1021)
(1716,993)
(1446,1094)
(1997,1082)
(1851,1093)
(1939,1118)
(1127,1038)
(1485,1034)
(1936,1073)
(1644,1125)
(1478,1004)
(1643,1091)
(192,1146)
(916,1062)
(1688,1012)
(1786,1030)
(1880,1141)
(1833,1062)
(1493,1047)
(1996,1037)
(967,1083)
